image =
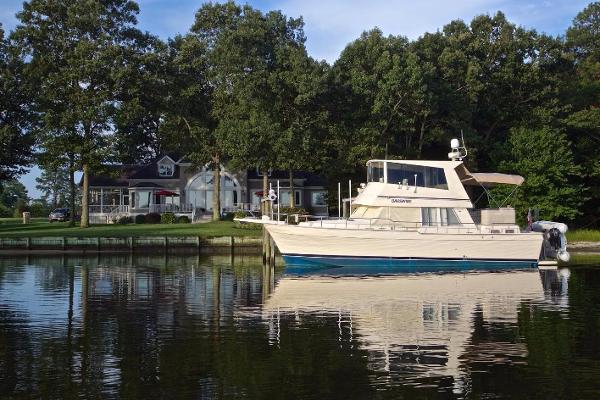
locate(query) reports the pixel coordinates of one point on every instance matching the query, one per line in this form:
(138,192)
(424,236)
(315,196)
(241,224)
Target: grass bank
(583,235)
(12,227)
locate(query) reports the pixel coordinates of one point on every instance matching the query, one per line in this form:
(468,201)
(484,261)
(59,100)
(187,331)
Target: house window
(165,169)
(318,199)
(143,199)
(285,198)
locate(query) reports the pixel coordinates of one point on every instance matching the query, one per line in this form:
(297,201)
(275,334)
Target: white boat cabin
(429,196)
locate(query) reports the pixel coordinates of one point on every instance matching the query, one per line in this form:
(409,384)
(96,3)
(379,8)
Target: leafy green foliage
(11,192)
(78,53)
(5,212)
(140,219)
(53,183)
(20,207)
(152,218)
(17,119)
(125,220)
(167,218)
(545,160)
(182,219)
(40,209)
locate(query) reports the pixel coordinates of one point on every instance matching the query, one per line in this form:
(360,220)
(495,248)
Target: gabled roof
(166,157)
(310,178)
(150,171)
(113,175)
(146,185)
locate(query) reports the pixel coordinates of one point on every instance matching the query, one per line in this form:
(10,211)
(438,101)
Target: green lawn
(12,227)
(583,235)
(40,227)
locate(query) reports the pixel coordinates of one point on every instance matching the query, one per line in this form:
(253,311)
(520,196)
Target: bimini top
(487,178)
(492,178)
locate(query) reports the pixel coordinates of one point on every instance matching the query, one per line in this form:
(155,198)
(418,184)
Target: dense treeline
(84,87)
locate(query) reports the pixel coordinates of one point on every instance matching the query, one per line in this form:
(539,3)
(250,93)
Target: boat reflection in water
(415,326)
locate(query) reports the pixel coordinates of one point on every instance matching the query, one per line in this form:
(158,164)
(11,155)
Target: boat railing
(397,225)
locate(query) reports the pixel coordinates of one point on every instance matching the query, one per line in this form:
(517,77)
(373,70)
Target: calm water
(144,327)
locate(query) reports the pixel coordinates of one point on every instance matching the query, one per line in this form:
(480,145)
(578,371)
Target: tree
(189,121)
(16,138)
(11,191)
(76,51)
(582,94)
(246,51)
(363,129)
(141,85)
(543,157)
(53,183)
(301,94)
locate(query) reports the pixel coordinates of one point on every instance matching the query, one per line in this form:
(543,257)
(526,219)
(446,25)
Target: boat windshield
(375,171)
(430,177)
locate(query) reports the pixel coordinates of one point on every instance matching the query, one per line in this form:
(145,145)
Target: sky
(331,24)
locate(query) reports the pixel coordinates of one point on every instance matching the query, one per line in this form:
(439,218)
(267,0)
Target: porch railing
(175,208)
(107,209)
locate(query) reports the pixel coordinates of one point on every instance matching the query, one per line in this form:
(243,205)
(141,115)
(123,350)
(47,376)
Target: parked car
(59,214)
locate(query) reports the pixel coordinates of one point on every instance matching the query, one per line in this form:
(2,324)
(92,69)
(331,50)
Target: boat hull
(354,248)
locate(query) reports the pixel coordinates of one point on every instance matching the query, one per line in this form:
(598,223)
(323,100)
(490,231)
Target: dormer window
(166,167)
(165,170)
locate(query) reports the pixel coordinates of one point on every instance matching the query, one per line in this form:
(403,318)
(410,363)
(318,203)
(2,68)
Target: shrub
(125,220)
(228,216)
(240,214)
(140,219)
(293,210)
(290,211)
(5,212)
(153,218)
(167,218)
(248,225)
(38,209)
(183,220)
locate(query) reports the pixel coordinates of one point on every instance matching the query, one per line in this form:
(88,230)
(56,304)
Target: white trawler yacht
(418,214)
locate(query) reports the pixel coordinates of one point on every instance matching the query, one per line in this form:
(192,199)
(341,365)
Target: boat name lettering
(400,200)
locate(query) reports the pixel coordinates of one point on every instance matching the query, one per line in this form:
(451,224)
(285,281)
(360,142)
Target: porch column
(101,200)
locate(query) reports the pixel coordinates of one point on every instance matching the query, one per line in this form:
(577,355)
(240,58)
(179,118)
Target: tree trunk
(216,214)
(55,196)
(85,191)
(265,204)
(72,190)
(421,137)
(292,194)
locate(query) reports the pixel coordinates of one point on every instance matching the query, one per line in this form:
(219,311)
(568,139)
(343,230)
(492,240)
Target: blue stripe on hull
(296,264)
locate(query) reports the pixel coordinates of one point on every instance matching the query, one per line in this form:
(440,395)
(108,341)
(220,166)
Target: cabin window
(429,216)
(448,217)
(375,172)
(430,177)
